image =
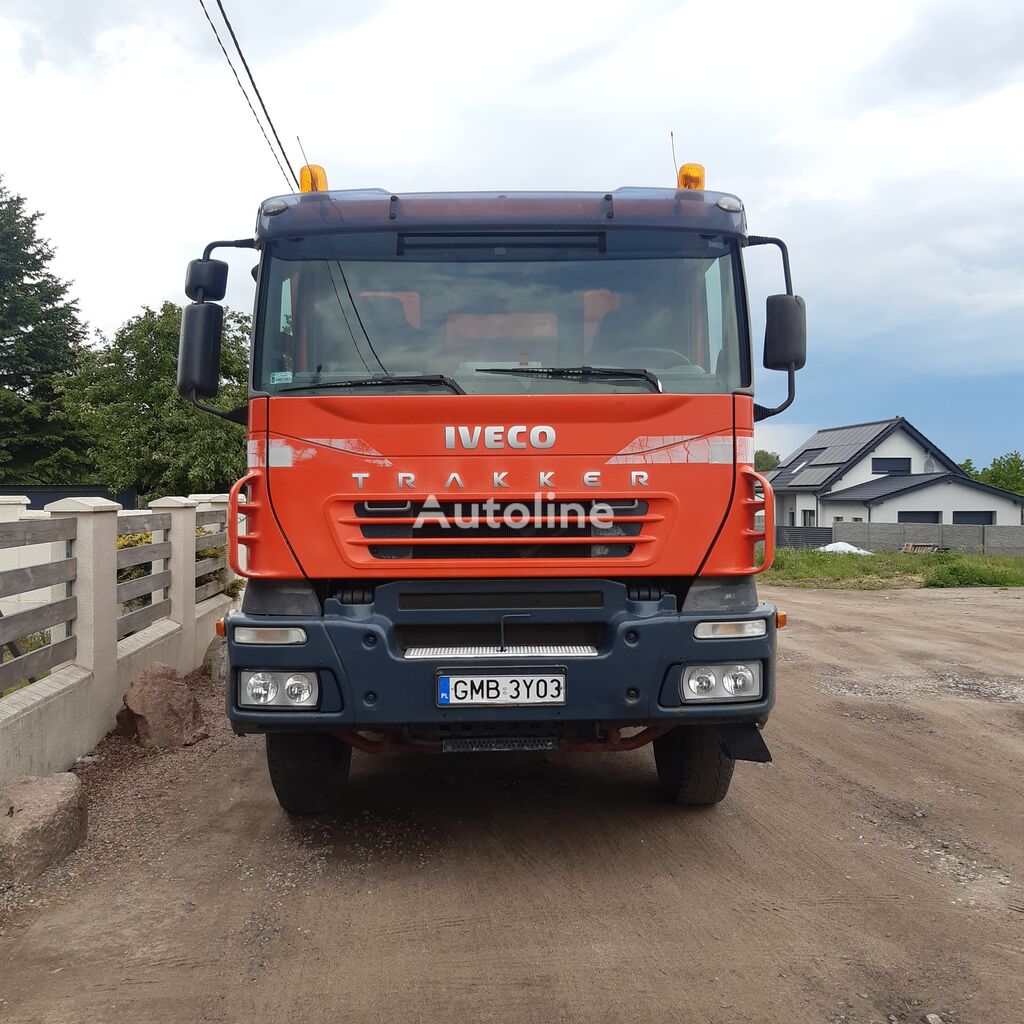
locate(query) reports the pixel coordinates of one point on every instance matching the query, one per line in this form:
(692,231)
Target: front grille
(507,529)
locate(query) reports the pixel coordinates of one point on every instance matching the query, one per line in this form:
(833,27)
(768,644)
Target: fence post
(11,507)
(95,547)
(182,564)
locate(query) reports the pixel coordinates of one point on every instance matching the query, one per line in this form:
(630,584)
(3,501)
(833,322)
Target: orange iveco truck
(500,490)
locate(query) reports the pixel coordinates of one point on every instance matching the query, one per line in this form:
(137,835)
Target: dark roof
(884,487)
(830,453)
(874,492)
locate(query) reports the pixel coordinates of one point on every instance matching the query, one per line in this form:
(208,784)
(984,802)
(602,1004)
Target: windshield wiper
(574,373)
(432,380)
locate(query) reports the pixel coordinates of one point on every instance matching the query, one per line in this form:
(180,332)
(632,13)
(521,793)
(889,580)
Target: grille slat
(563,529)
(513,651)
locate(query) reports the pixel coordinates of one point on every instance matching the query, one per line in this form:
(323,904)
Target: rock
(216,660)
(42,819)
(933,1018)
(160,711)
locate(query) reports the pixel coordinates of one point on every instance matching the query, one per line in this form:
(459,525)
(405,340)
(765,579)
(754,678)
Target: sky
(882,140)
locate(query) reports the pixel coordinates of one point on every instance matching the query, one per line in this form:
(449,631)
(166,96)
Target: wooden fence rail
(142,522)
(36,531)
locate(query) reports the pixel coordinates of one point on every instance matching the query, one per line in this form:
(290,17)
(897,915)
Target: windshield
(365,307)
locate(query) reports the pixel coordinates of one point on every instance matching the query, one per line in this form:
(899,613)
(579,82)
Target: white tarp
(843,548)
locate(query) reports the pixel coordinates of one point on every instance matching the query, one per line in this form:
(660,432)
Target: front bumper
(367,682)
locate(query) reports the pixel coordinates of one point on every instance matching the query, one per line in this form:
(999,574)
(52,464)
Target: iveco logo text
(518,436)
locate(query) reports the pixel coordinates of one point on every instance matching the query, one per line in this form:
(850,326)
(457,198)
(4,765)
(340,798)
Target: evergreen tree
(41,344)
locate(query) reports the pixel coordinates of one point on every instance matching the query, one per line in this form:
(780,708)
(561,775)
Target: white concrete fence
(90,635)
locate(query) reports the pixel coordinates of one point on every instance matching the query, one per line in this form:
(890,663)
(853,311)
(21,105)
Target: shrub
(970,574)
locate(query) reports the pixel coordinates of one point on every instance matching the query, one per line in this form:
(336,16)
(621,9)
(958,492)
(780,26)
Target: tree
(765,460)
(41,345)
(147,436)
(1006,471)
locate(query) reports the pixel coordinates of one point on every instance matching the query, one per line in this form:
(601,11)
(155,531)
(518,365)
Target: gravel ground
(872,873)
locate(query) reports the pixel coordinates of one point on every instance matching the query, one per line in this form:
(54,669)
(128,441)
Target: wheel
(692,766)
(308,770)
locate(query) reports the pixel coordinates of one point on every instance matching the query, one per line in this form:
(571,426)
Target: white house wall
(946,498)
(848,510)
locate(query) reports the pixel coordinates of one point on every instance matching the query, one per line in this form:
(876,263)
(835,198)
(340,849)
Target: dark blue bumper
(366,680)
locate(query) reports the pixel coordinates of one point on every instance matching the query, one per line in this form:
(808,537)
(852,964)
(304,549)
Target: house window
(893,467)
(918,517)
(858,519)
(837,519)
(808,517)
(974,518)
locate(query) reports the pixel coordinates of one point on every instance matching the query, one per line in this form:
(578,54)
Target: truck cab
(500,490)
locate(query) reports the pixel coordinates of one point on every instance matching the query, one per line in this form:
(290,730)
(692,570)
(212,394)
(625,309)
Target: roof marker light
(312,178)
(691,176)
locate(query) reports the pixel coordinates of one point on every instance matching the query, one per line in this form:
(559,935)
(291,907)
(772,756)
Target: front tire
(309,770)
(692,767)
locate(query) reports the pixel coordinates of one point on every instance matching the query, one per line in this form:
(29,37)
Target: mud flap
(744,743)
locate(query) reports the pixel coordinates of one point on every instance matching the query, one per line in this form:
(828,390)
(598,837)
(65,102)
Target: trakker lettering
(500,491)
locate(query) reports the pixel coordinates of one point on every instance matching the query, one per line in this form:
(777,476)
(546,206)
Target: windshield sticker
(281,377)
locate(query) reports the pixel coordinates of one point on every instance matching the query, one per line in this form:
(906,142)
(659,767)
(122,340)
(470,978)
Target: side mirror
(202,325)
(206,280)
(785,333)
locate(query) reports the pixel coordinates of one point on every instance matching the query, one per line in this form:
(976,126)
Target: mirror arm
(762,413)
(237,243)
(760,240)
(239,415)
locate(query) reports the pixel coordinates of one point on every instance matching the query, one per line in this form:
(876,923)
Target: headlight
(738,680)
(720,683)
(261,688)
(298,689)
(702,681)
(279,690)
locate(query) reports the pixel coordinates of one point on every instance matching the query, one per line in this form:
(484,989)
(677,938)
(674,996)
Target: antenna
(302,150)
(672,141)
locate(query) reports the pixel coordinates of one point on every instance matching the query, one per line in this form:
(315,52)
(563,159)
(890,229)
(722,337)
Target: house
(883,472)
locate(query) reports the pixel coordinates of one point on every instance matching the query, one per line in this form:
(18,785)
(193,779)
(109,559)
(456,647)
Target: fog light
(269,635)
(702,681)
(725,630)
(738,680)
(261,688)
(298,689)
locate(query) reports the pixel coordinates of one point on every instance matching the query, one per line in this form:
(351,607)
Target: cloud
(952,52)
(70,31)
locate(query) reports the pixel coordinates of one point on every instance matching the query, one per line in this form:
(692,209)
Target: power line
(270,145)
(266,113)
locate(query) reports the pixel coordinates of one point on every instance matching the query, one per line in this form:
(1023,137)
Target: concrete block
(885,536)
(1004,540)
(962,538)
(42,820)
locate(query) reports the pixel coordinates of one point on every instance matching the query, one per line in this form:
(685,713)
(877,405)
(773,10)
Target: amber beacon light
(313,178)
(691,176)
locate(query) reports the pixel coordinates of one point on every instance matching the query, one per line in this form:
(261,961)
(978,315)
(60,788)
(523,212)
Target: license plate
(500,689)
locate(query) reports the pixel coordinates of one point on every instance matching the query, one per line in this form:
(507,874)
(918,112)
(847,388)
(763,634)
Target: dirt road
(875,869)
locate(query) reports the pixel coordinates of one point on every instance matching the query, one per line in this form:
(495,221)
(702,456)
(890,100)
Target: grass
(886,570)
